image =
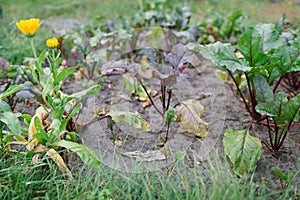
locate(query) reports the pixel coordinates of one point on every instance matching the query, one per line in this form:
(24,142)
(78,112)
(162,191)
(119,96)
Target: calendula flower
(29,26)
(52,42)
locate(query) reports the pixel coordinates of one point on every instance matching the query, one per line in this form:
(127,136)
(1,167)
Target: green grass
(79,9)
(257,10)
(213,180)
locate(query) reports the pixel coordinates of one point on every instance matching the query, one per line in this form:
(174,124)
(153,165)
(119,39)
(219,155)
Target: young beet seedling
(187,113)
(285,178)
(166,82)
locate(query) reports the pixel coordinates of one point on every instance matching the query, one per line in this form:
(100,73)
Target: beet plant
(262,59)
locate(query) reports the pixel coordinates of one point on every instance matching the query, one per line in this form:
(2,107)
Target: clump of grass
(21,180)
(212,180)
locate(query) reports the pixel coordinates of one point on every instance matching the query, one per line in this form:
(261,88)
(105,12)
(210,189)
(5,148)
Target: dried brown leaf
(118,143)
(101,111)
(147,103)
(112,101)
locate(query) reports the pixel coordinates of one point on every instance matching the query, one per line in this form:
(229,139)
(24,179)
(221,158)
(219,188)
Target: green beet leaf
(262,70)
(242,149)
(272,108)
(264,92)
(283,110)
(170,116)
(284,59)
(132,85)
(223,55)
(291,109)
(133,119)
(270,37)
(250,46)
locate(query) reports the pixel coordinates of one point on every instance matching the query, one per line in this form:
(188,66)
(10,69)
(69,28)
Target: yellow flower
(52,42)
(29,26)
(152,5)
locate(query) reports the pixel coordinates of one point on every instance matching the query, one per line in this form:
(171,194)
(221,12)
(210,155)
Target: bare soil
(140,152)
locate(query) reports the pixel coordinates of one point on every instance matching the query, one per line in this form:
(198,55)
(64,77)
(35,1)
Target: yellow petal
(29,26)
(52,42)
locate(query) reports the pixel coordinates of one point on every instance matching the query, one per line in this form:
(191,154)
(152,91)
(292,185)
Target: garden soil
(132,150)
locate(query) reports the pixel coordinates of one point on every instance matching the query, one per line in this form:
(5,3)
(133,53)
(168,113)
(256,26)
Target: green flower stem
(141,5)
(53,54)
(32,47)
(52,67)
(35,75)
(50,63)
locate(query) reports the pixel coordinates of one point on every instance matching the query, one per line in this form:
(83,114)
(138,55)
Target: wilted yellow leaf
(153,93)
(189,115)
(166,150)
(59,162)
(81,73)
(160,144)
(35,158)
(222,75)
(41,114)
